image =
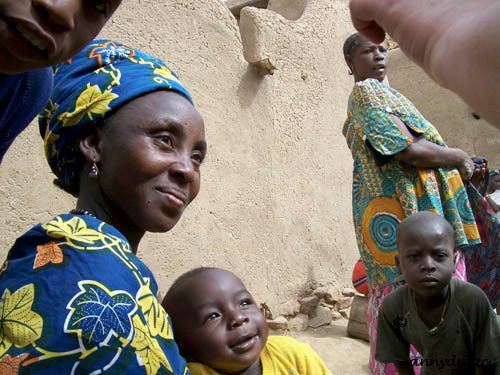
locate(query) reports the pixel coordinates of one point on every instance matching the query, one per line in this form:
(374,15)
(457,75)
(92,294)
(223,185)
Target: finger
(363,15)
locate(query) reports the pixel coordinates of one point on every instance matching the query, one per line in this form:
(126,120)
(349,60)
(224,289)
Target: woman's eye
(245,302)
(166,139)
(197,157)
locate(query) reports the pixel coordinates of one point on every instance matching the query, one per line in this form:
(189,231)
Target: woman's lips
(26,40)
(175,198)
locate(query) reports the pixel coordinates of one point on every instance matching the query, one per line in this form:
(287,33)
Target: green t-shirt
(469,335)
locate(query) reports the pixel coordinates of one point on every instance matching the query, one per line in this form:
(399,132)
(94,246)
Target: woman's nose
(183,168)
(60,12)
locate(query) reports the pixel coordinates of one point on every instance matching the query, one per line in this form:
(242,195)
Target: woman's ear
(90,146)
(348,60)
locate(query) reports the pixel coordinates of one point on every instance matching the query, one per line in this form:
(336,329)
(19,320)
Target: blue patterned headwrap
(100,79)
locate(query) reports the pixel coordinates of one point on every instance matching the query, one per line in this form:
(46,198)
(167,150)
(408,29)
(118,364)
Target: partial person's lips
(244,342)
(34,35)
(176,197)
(429,279)
(379,67)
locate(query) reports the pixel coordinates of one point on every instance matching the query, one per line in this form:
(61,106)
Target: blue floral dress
(76,300)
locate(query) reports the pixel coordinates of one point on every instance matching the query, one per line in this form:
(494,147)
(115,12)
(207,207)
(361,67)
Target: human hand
(439,36)
(466,168)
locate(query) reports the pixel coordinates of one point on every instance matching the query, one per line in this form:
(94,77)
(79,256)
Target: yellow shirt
(282,355)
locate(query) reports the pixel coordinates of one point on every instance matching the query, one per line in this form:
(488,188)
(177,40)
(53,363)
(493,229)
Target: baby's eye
(212,316)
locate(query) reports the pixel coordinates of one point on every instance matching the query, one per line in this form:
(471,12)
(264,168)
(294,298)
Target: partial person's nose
(427,264)
(60,12)
(183,168)
(379,55)
(237,319)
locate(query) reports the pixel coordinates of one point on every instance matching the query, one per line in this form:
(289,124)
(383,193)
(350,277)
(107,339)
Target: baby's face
(40,33)
(219,323)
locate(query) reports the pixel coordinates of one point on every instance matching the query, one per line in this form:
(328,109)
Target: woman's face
(369,60)
(40,33)
(495,182)
(149,157)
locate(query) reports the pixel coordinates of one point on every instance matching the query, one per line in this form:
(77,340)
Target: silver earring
(94,171)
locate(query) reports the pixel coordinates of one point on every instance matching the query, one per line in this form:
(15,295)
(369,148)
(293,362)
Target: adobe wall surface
(275,203)
(446,111)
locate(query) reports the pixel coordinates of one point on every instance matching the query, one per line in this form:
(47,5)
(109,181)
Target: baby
(220,330)
(449,321)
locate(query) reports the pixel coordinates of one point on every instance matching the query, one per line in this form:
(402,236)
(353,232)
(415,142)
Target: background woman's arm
(425,154)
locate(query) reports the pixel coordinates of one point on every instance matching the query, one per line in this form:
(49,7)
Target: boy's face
(219,323)
(426,258)
(39,33)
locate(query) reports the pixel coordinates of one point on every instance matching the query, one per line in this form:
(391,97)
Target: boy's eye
(245,302)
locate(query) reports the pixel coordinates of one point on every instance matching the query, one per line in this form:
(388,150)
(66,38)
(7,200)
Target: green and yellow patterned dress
(385,190)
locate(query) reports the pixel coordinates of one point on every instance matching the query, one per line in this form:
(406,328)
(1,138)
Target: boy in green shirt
(450,322)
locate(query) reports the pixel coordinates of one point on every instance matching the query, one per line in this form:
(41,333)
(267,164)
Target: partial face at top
(426,256)
(149,157)
(40,33)
(368,60)
(218,323)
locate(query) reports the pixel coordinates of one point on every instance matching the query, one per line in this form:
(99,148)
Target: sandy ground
(341,354)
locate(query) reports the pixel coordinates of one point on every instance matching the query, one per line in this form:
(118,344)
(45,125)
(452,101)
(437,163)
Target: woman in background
(401,166)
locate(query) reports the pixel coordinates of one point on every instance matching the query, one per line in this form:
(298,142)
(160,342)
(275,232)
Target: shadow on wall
(249,86)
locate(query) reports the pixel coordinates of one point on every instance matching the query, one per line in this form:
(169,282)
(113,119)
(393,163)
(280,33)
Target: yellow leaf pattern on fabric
(164,72)
(156,317)
(19,325)
(91,101)
(75,229)
(147,348)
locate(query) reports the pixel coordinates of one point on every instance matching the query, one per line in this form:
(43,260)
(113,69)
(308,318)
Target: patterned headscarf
(100,79)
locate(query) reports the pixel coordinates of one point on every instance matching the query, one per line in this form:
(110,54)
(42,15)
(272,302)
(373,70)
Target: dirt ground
(342,354)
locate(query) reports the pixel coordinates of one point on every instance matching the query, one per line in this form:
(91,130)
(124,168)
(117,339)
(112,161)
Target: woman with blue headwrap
(121,133)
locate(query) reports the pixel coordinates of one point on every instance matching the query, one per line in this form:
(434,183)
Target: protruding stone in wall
(348,292)
(279,323)
(328,293)
(290,308)
(299,323)
(235,6)
(290,9)
(308,304)
(323,317)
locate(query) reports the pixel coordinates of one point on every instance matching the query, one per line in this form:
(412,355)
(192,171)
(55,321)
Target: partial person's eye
(197,157)
(246,302)
(212,316)
(101,6)
(166,139)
